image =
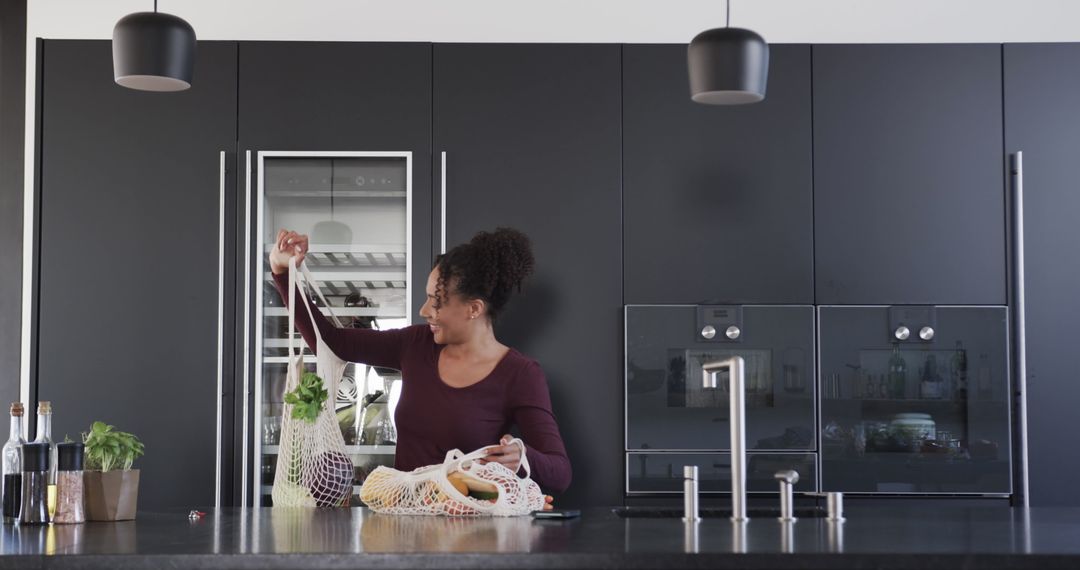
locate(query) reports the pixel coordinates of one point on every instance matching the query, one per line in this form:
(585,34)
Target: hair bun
(511,252)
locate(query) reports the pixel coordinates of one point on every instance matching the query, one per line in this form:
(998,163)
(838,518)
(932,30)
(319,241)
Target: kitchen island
(901,536)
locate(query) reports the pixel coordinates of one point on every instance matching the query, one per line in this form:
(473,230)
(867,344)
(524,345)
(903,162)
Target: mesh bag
(313,468)
(438,489)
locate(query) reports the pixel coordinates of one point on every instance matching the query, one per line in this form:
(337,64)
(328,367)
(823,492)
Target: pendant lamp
(153,51)
(728,66)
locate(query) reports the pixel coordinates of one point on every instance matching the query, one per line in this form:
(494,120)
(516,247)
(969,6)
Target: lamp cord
(155,6)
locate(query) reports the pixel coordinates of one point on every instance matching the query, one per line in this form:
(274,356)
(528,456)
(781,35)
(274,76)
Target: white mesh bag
(429,491)
(313,468)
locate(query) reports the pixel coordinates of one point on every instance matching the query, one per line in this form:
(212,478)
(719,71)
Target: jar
(35,481)
(70,503)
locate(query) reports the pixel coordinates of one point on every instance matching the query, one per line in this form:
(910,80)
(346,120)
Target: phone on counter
(557,514)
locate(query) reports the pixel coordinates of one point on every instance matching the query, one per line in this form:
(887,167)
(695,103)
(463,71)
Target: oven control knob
(902,333)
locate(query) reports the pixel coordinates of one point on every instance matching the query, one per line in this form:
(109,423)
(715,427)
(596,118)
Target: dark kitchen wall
(818,198)
(543,157)
(128,255)
(12,121)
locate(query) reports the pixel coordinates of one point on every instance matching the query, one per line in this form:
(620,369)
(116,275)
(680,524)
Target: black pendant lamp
(153,52)
(728,66)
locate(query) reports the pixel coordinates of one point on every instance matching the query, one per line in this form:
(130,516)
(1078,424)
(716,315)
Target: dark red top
(433,417)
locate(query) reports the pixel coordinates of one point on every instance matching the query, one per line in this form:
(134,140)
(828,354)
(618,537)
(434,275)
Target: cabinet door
(667,409)
(532,136)
(334,96)
(908,185)
(128,284)
(915,416)
(1042,119)
(718,200)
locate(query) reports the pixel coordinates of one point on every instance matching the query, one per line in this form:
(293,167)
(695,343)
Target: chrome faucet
(787,479)
(690,494)
(736,368)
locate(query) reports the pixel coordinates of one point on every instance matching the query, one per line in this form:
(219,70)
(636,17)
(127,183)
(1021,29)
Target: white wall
(647,21)
(617,21)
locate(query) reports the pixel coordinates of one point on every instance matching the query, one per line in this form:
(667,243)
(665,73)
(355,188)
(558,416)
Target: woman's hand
(510,456)
(289,245)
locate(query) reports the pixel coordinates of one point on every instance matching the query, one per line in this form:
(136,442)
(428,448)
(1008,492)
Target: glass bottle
(932,386)
(960,370)
(897,373)
(12,485)
(35,483)
(70,506)
(44,435)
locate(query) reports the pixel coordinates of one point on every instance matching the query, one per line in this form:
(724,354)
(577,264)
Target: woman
(461,387)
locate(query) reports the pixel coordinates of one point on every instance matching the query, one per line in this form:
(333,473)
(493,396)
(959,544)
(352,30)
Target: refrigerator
(357,209)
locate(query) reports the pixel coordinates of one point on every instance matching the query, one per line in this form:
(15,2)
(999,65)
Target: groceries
(330,480)
(460,486)
(308,398)
(313,468)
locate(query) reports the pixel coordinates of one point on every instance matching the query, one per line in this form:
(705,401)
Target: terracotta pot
(111,495)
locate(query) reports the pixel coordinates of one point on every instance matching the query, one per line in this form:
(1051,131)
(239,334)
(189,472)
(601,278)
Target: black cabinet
(531,135)
(129,211)
(1042,119)
(908,175)
(718,203)
(926,414)
(334,96)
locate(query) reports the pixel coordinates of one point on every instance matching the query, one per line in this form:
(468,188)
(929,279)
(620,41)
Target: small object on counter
(12,485)
(112,486)
(557,514)
(195,515)
(835,502)
(44,435)
(70,489)
(35,480)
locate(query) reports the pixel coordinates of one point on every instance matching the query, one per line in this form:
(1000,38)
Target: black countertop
(872,537)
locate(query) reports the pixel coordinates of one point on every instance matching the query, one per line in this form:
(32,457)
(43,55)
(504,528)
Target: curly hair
(490,267)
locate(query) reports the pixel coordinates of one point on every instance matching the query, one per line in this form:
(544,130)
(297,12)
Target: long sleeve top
(433,417)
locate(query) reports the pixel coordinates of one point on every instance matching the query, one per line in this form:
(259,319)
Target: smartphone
(557,514)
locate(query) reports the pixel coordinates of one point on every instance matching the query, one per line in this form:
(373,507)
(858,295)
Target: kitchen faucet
(736,368)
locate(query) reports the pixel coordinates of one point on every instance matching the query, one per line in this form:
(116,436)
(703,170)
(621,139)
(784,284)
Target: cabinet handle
(442,201)
(220,325)
(1019,317)
(247,330)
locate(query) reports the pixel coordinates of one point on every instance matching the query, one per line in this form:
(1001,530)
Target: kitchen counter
(881,537)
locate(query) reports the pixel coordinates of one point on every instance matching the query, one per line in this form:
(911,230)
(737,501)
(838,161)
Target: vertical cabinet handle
(245,461)
(220,326)
(442,201)
(1019,331)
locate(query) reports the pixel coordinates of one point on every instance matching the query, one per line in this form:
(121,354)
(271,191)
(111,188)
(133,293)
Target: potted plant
(112,486)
